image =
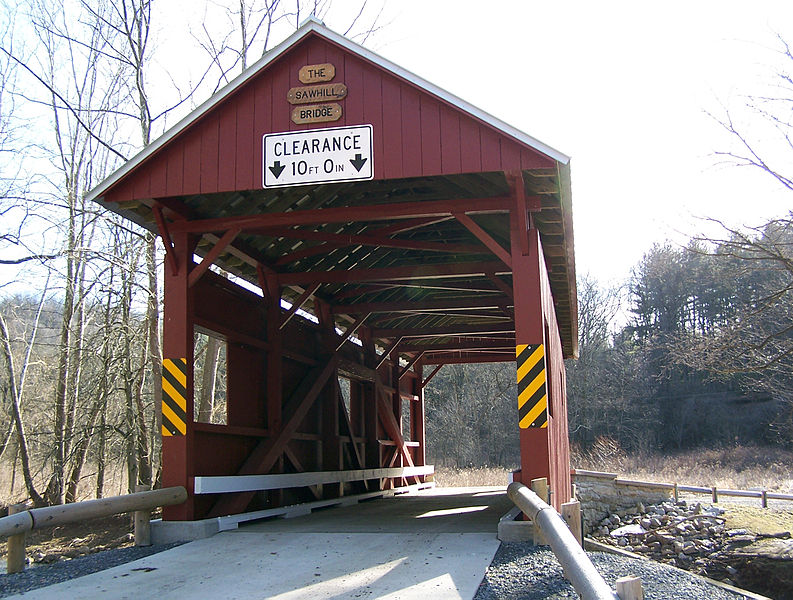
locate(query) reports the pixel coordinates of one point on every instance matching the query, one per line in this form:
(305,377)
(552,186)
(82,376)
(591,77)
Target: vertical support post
(676,493)
(177,381)
(764,499)
(15,559)
(715,494)
(142,522)
(396,404)
(417,423)
(368,404)
(571,513)
(530,352)
(332,457)
(274,367)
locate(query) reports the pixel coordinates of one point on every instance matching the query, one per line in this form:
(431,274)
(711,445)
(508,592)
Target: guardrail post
(677,494)
(142,522)
(571,513)
(539,487)
(630,588)
(715,494)
(15,559)
(764,499)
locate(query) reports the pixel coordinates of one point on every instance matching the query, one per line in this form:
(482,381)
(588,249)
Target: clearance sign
(317,156)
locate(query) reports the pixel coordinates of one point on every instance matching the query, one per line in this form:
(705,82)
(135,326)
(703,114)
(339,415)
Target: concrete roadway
(433,543)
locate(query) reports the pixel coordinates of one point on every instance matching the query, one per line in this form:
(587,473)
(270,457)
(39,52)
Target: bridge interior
(339,301)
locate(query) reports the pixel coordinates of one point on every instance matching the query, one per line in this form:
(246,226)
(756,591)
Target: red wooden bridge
(414,230)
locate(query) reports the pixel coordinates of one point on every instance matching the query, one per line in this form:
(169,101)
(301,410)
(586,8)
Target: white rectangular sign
(317,156)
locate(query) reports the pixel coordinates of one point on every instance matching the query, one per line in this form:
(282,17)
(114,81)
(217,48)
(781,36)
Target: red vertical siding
(415,133)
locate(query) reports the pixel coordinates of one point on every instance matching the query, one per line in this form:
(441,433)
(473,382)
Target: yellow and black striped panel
(174,396)
(532,388)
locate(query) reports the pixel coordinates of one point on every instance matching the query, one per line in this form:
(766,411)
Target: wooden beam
(484,237)
(445,330)
(298,304)
(211,256)
(467,358)
(421,305)
(347,214)
(411,362)
(351,330)
(406,272)
(499,283)
(430,376)
(462,344)
(167,240)
(269,450)
(291,457)
(387,353)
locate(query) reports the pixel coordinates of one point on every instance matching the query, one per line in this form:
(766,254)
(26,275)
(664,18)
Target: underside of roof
(415,249)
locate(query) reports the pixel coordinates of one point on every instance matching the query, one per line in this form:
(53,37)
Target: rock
(632,529)
(645,522)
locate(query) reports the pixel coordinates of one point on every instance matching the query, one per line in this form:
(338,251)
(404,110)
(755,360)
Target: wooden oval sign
(316,73)
(316,113)
(317,93)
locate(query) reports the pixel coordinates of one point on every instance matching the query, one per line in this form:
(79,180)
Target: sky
(629,90)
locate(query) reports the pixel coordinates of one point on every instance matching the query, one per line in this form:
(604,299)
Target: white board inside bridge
(317,156)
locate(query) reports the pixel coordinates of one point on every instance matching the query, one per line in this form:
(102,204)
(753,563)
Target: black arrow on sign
(358,162)
(277,169)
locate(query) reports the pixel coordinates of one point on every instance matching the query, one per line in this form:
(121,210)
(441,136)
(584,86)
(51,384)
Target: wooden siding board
(470,152)
(227,143)
(209,155)
(411,131)
(281,120)
(490,149)
(191,179)
(391,157)
(245,152)
(430,136)
(159,172)
(175,169)
(353,104)
(372,93)
(510,155)
(262,124)
(335,56)
(450,140)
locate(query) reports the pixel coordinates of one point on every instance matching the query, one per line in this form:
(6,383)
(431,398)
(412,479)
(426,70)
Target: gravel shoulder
(522,571)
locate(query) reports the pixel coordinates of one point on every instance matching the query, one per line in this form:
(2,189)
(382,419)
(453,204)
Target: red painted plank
(411,132)
(372,93)
(430,136)
(174,158)
(227,146)
(141,180)
(353,104)
(281,115)
(510,155)
(158,176)
(490,149)
(530,159)
(470,153)
(391,157)
(335,56)
(262,124)
(191,177)
(209,154)
(450,140)
(244,152)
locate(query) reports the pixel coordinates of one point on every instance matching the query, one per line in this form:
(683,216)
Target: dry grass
(477,476)
(741,467)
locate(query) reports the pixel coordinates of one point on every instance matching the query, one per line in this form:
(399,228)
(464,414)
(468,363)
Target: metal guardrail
(587,582)
(141,503)
(676,488)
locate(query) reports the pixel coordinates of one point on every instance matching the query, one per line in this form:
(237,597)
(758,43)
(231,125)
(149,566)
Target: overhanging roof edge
(310,26)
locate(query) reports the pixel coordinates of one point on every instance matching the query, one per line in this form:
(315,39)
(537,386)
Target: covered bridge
(415,229)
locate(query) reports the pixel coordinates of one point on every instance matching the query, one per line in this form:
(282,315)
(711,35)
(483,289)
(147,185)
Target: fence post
(142,522)
(571,513)
(15,560)
(630,588)
(764,499)
(539,487)
(677,495)
(715,495)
